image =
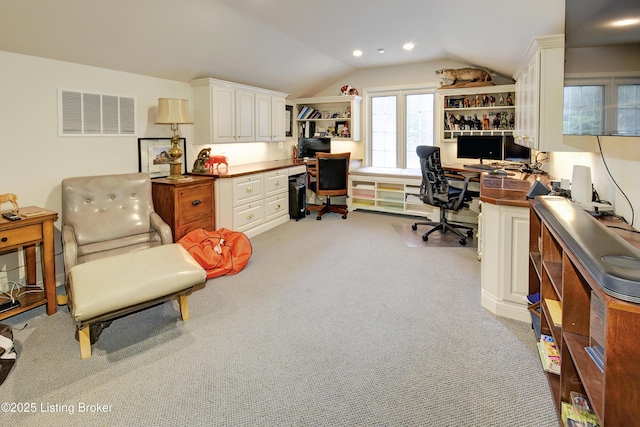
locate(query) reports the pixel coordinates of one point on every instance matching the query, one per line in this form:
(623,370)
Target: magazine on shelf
(550,354)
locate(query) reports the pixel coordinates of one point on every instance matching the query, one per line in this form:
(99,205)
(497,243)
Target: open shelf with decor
(485,110)
(337,117)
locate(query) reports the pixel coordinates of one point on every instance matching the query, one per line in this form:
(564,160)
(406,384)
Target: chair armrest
(70,248)
(162,228)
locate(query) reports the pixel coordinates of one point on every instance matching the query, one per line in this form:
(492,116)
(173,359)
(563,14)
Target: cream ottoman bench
(107,288)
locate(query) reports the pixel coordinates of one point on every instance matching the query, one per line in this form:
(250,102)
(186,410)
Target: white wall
(622,158)
(35,159)
(419,73)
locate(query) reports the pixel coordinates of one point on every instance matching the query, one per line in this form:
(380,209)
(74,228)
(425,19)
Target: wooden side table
(27,233)
(184,204)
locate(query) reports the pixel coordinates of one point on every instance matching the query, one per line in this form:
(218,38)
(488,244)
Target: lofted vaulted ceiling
(295,46)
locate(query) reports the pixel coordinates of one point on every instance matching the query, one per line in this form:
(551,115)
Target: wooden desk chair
(331,174)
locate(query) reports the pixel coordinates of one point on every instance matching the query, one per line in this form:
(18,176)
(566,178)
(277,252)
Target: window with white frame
(601,106)
(583,112)
(628,109)
(399,121)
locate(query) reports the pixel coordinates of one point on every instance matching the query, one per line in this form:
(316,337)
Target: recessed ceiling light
(357,52)
(381,50)
(408,46)
(626,22)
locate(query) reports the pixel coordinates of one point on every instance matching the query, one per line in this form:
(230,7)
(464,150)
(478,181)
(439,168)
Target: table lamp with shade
(174,112)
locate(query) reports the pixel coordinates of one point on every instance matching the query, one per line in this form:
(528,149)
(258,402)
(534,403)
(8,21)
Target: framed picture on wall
(288,120)
(154,159)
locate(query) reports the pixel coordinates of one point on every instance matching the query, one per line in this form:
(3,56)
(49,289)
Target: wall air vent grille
(95,114)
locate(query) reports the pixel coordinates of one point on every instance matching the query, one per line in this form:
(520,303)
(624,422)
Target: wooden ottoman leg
(183,300)
(84,337)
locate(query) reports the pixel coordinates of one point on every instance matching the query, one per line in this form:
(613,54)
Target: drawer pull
(196,202)
(4,239)
(249,189)
(277,182)
(249,216)
(277,206)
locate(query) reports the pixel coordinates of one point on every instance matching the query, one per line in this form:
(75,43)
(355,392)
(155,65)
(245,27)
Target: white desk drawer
(276,182)
(247,216)
(276,205)
(247,189)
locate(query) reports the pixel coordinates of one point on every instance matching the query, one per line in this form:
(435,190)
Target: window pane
(419,125)
(629,109)
(383,131)
(583,110)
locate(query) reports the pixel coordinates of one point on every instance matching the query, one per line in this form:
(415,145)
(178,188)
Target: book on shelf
(555,310)
(596,353)
(549,354)
(302,112)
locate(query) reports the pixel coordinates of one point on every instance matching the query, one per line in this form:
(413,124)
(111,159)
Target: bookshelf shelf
(328,115)
(561,245)
(453,109)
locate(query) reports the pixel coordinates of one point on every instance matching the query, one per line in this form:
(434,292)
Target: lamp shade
(173,111)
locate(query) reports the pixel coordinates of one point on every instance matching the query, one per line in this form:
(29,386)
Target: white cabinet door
(270,124)
(263,118)
(223,115)
(244,116)
(277,119)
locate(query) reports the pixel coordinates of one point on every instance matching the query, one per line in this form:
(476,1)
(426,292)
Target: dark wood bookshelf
(562,240)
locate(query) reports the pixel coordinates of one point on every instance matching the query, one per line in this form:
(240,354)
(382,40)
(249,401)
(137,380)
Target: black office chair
(331,174)
(437,191)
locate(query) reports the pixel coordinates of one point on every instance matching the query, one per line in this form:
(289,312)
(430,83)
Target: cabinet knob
(249,216)
(249,189)
(277,182)
(4,239)
(196,202)
(277,206)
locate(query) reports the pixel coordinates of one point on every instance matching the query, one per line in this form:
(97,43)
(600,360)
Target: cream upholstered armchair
(109,215)
(119,256)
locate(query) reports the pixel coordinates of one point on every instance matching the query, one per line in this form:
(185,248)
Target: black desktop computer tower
(297,197)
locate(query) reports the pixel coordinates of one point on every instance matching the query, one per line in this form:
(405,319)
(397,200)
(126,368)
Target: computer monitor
(308,147)
(514,152)
(482,147)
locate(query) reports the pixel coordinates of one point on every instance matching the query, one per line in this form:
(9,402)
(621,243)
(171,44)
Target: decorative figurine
(478,102)
(4,198)
(452,77)
(348,90)
(485,123)
(216,159)
(509,100)
(465,101)
(203,157)
(501,99)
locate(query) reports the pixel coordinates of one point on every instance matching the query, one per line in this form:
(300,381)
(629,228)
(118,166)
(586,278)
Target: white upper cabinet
(539,93)
(226,112)
(270,118)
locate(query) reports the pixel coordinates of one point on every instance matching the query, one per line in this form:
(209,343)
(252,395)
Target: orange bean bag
(219,252)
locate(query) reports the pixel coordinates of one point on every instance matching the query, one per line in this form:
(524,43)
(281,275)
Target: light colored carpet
(332,323)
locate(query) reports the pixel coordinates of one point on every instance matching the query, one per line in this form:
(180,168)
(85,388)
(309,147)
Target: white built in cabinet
(330,114)
(396,191)
(254,203)
(504,245)
(539,90)
(460,110)
(226,112)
